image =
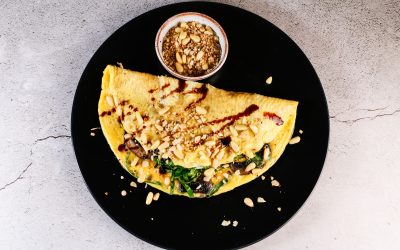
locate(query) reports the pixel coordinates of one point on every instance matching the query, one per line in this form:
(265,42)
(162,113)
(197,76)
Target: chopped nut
(234,146)
(215,152)
(133,184)
(263,177)
(195,38)
(209,172)
(225,165)
(266,153)
(182,35)
(254,129)
(241,127)
(164,145)
(220,154)
(200,110)
(177,141)
(127,136)
(250,167)
(260,200)
(179,67)
(237,172)
(178,58)
(275,183)
(92,134)
(301,131)
(149,198)
(134,161)
(215,163)
(179,147)
(279,209)
(145,163)
(294,140)
(233,131)
(235,223)
(178,154)
(155,144)
(207,178)
(226,175)
(158,127)
(248,202)
(269,80)
(197,139)
(186,41)
(139,119)
(123,193)
(226,223)
(167,180)
(209,143)
(164,110)
(141,179)
(156,196)
(199,55)
(110,101)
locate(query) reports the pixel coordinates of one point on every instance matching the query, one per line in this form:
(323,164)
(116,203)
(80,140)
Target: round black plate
(258,49)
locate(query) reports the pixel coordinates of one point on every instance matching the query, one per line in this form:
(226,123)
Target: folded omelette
(188,138)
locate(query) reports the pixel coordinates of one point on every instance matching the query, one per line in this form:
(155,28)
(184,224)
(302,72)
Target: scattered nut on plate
(191,49)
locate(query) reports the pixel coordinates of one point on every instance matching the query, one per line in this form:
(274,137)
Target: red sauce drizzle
(181,86)
(121,147)
(153,99)
(131,106)
(152,90)
(135,109)
(165,86)
(274,117)
(248,111)
(124,102)
(203,90)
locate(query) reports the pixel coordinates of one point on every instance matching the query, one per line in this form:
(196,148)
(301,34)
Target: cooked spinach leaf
(216,187)
(185,176)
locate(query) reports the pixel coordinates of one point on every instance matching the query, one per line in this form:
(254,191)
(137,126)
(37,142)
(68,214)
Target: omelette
(189,138)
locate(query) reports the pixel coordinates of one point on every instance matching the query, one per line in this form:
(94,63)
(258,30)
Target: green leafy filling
(185,176)
(257,159)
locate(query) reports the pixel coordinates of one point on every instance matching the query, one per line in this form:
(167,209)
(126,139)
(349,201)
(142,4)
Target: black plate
(257,49)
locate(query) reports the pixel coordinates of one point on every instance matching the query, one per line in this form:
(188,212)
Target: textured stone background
(353,45)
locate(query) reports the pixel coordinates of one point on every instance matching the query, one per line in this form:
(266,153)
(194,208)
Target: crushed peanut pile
(191,49)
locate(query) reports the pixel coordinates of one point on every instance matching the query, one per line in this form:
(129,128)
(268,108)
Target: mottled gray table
(353,45)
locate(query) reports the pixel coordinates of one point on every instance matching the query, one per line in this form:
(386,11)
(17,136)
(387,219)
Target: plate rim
(223,5)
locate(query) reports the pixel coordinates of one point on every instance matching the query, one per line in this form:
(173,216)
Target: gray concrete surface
(353,45)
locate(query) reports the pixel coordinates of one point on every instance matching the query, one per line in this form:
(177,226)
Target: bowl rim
(192,78)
